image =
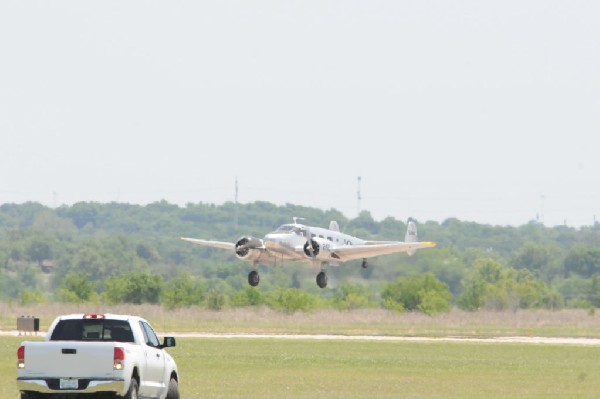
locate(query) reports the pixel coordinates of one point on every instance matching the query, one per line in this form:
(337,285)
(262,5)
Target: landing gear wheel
(253,278)
(364,264)
(322,280)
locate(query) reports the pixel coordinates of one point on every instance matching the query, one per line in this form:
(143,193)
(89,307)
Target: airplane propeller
(311,247)
(241,247)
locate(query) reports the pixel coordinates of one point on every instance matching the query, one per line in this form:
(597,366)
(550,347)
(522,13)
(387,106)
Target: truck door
(152,382)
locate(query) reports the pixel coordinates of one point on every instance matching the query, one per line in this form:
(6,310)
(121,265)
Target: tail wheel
(253,278)
(322,280)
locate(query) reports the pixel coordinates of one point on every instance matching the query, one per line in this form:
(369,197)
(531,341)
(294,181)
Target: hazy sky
(483,111)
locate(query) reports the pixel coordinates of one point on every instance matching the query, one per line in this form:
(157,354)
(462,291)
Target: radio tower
(358,196)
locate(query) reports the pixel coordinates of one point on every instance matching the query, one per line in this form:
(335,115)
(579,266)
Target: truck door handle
(158,355)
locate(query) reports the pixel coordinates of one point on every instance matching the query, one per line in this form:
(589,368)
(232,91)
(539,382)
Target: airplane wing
(210,243)
(350,252)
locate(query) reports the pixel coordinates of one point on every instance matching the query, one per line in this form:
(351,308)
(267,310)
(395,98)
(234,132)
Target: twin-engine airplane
(318,246)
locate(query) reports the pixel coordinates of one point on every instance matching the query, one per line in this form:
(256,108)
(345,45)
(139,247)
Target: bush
(215,299)
(351,296)
(290,300)
(492,285)
(32,297)
(76,288)
(137,287)
(425,293)
(249,296)
(182,291)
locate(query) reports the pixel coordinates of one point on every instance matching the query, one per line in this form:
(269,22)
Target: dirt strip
(331,337)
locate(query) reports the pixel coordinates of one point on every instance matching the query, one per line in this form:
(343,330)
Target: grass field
(272,368)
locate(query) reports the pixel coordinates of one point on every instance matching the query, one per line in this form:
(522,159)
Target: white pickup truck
(98,356)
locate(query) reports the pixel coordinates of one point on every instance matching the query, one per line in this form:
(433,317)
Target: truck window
(149,335)
(92,330)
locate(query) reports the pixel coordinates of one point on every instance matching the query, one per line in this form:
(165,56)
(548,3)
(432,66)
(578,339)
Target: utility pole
(542,198)
(358,196)
(236,203)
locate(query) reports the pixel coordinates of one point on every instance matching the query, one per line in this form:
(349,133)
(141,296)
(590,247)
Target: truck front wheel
(173,392)
(132,393)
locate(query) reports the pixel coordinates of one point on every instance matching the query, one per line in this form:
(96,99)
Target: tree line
(112,253)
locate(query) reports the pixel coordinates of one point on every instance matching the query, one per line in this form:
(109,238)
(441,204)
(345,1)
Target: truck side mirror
(169,342)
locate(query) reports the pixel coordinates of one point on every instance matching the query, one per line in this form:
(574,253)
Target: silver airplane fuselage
(286,241)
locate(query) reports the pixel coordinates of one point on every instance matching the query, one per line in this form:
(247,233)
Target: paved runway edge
(331,337)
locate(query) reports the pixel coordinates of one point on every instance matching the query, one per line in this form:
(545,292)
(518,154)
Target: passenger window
(330,239)
(149,336)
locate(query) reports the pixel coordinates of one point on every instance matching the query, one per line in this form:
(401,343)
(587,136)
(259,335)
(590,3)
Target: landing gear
(364,264)
(322,280)
(253,278)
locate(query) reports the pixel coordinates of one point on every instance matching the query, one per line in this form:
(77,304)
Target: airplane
(318,246)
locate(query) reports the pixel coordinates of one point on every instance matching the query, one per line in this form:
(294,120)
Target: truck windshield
(92,330)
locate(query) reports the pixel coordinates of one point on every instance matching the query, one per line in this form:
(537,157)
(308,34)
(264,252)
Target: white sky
(483,111)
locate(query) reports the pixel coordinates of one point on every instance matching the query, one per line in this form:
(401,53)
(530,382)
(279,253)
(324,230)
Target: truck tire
(33,395)
(132,393)
(173,392)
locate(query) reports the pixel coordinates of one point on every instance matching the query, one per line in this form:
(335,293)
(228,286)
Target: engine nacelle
(318,249)
(247,248)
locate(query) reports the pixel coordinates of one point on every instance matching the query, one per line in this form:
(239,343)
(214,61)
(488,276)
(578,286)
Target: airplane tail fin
(411,236)
(333,226)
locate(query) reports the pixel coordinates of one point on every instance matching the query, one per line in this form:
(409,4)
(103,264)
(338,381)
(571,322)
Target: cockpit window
(289,228)
(285,227)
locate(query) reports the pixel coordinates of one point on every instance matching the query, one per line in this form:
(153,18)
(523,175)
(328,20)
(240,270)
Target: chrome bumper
(88,385)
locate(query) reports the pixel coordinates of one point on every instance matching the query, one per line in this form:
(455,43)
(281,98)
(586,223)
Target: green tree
(215,299)
(39,249)
(29,297)
(146,288)
(538,258)
(594,291)
(425,293)
(583,260)
(492,285)
(76,287)
(351,296)
(147,252)
(136,287)
(10,286)
(291,300)
(249,296)
(182,291)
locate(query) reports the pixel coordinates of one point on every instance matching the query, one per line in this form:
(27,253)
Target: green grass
(271,368)
(8,366)
(237,368)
